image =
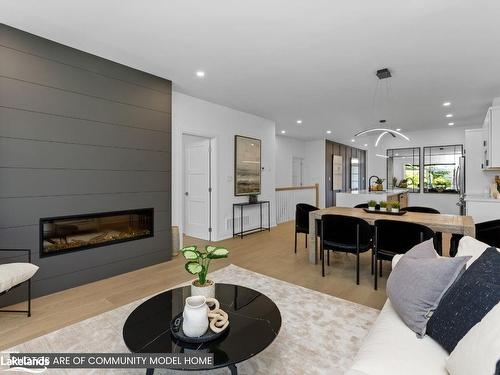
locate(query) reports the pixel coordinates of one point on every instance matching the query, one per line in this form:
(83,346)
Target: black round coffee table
(254,322)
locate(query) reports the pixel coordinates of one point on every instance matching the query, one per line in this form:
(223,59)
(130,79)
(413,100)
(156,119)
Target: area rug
(320,334)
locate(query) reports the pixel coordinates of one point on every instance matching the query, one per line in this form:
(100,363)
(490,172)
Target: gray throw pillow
(422,250)
(418,282)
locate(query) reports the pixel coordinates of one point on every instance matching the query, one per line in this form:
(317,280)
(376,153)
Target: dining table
(444,223)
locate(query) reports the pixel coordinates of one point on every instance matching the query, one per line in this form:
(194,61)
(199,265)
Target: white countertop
(382,192)
(480,198)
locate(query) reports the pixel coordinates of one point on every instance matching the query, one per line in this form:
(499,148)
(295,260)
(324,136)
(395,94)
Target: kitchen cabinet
(491,139)
(482,208)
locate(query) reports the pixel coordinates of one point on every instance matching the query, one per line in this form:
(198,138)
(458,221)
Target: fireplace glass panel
(70,233)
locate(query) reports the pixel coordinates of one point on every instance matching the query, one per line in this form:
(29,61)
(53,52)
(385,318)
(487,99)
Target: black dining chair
(361,205)
(302,220)
(438,236)
(396,237)
(345,234)
(487,232)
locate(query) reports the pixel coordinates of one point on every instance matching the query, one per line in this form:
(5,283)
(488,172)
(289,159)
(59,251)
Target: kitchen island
(355,197)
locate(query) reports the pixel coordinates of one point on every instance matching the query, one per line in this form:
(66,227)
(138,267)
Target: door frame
(212,202)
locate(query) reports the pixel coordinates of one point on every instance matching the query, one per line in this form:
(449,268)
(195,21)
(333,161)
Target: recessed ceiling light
(299,122)
(449,115)
(451,123)
(446,104)
(353,140)
(398,129)
(200,73)
(328,132)
(283,131)
(366,144)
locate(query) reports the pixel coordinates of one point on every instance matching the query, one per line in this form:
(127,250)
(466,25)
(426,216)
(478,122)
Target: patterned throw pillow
(470,298)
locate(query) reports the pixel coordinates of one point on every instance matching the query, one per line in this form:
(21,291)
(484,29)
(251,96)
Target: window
(354,174)
(403,169)
(442,169)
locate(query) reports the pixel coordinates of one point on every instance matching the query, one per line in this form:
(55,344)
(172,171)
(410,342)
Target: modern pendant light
(382,74)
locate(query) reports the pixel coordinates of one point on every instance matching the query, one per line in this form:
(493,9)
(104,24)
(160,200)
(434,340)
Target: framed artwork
(247,165)
(337,172)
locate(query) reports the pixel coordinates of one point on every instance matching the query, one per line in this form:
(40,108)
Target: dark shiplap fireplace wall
(80,134)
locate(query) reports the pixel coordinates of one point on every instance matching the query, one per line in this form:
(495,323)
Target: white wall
(314,166)
(198,117)
(436,137)
(286,149)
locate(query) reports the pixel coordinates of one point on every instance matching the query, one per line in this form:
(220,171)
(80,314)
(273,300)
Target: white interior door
(297,169)
(197,187)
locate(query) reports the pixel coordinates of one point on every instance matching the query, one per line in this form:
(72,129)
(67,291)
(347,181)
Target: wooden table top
(437,222)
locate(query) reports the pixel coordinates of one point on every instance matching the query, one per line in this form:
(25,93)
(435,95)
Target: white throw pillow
(479,350)
(469,246)
(12,274)
(395,260)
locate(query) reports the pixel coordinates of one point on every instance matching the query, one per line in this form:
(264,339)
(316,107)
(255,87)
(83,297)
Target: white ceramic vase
(395,210)
(195,316)
(383,209)
(207,291)
(371,208)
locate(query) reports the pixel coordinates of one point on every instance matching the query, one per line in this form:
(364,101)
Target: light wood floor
(269,253)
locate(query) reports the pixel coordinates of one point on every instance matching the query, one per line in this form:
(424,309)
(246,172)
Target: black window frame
(420,161)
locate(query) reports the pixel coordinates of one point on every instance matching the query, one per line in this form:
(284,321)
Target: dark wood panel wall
(347,152)
(79,134)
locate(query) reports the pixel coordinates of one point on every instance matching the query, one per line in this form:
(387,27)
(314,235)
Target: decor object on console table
(198,263)
(13,275)
(247,165)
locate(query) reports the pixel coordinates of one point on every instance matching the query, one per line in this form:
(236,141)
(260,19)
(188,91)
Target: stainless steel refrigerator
(460,184)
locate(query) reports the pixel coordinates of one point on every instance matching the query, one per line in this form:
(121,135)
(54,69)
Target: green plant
(395,205)
(199,261)
(372,203)
(383,204)
(379,181)
(394,182)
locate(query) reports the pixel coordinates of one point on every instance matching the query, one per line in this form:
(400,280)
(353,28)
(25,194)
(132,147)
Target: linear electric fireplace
(63,234)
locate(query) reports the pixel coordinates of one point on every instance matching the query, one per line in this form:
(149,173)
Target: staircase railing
(288,197)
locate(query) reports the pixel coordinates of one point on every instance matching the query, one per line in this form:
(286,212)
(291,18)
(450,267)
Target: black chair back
(302,217)
(425,210)
(489,232)
(344,231)
(438,237)
(397,237)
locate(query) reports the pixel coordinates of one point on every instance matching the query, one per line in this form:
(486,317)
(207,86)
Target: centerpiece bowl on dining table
(398,213)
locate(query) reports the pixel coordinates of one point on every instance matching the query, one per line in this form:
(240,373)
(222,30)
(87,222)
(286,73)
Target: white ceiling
(291,59)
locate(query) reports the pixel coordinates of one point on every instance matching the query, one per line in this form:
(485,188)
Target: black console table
(243,232)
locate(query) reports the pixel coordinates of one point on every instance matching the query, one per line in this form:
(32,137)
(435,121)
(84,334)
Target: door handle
(186,193)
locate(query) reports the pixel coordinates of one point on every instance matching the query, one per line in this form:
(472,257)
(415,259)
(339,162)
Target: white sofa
(392,348)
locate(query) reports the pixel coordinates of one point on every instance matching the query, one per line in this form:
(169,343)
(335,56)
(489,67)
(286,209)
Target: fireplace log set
(78,232)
